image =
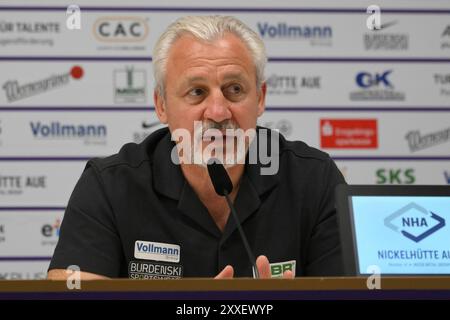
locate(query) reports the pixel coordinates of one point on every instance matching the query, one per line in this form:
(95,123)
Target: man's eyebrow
(234,76)
(195,78)
(190,80)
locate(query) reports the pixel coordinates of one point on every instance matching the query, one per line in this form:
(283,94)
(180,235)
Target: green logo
(279,268)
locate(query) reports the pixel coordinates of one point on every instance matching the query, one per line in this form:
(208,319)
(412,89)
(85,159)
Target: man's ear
(262,99)
(160,107)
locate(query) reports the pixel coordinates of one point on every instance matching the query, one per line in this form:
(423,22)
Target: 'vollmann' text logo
(57,129)
(414,222)
(286,31)
(156,251)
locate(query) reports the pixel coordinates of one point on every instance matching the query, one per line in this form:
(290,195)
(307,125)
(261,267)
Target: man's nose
(217,107)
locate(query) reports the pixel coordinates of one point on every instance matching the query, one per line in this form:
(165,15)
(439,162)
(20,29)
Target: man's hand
(263,265)
(61,274)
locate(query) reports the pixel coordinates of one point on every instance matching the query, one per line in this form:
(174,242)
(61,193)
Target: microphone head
(219,177)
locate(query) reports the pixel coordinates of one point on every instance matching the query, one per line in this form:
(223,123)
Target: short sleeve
(88,236)
(324,252)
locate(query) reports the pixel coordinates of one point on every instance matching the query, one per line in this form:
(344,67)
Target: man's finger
(226,273)
(288,274)
(262,263)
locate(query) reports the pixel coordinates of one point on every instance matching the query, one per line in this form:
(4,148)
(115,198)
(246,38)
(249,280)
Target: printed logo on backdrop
(395,176)
(15,275)
(89,134)
(349,133)
(17,91)
(447,176)
(315,35)
(17,185)
(121,33)
(129,85)
(414,222)
(445,36)
(382,40)
(29,33)
(418,141)
(283,126)
(376,86)
(50,233)
(147,127)
(442,80)
(2,233)
(291,84)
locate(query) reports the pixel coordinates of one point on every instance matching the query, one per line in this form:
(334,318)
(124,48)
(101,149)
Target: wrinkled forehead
(228,54)
(230,45)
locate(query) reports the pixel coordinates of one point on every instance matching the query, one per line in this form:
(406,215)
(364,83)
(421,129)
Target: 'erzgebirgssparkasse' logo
(278,84)
(349,133)
(317,35)
(414,222)
(375,86)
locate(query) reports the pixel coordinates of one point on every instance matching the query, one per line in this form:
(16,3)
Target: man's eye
(234,89)
(196,92)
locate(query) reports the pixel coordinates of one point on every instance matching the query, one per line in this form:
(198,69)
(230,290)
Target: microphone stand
(244,238)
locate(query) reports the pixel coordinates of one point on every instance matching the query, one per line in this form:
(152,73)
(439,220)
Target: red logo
(349,133)
(76,72)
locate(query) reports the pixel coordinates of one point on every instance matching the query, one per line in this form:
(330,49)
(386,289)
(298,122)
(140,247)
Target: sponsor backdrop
(378,101)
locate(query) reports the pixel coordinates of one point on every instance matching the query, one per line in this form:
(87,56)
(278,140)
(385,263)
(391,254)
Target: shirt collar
(169,181)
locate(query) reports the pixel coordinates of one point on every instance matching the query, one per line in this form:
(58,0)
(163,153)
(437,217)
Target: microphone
(223,187)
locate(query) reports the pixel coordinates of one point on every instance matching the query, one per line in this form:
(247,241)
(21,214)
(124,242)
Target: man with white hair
(151,211)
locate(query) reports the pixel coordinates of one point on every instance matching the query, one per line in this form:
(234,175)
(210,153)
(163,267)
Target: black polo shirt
(134,215)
